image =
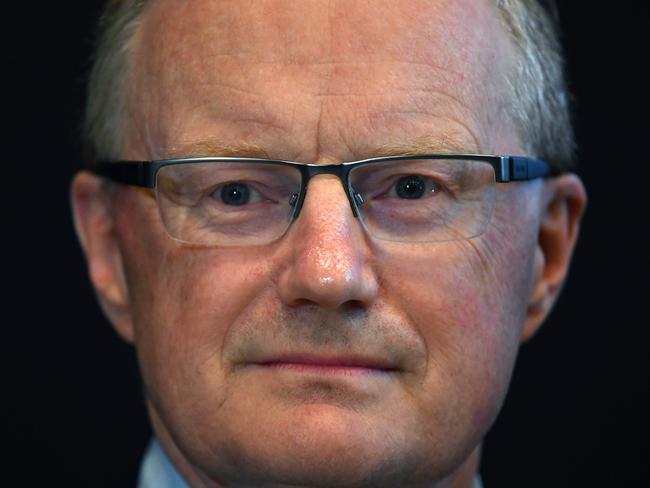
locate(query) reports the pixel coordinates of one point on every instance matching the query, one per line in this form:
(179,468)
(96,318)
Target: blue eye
(410,187)
(235,194)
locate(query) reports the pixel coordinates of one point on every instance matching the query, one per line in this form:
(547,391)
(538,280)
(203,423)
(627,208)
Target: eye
(412,187)
(236,193)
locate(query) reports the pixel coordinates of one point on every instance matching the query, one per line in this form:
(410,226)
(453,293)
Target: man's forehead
(344,69)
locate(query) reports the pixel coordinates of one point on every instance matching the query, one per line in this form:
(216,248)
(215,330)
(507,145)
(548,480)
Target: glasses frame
(143,173)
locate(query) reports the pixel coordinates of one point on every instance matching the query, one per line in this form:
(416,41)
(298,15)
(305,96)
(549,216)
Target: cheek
(183,301)
(467,302)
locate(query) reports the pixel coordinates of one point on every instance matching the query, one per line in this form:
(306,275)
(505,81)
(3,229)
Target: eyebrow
(215,149)
(442,146)
(247,150)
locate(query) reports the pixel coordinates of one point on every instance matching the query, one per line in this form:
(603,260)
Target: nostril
(302,303)
(354,307)
(350,308)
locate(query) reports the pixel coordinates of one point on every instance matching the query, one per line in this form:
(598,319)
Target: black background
(576,413)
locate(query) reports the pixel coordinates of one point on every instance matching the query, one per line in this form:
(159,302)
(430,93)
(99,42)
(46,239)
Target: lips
(348,361)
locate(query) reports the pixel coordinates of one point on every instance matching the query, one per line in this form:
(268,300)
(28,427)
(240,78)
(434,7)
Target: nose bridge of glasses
(340,171)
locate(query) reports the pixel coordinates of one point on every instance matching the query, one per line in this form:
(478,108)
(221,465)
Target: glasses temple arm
(136,173)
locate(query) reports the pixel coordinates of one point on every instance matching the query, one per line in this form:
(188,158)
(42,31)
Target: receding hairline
(137,9)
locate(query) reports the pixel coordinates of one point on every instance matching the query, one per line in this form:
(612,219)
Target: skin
(324,82)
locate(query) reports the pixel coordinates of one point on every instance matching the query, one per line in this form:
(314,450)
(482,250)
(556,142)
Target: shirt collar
(157,471)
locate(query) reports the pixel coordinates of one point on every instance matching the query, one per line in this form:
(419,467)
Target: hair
(539,98)
(107,91)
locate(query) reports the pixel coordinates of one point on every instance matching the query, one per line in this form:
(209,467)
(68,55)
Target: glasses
(250,201)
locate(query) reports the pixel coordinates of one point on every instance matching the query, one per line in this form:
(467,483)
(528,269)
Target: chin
(325,456)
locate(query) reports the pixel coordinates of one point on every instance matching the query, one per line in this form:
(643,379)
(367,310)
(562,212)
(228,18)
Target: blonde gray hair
(539,106)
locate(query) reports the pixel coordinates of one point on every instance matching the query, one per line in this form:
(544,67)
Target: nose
(329,262)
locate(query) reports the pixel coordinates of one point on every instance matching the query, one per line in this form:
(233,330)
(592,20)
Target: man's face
(324,82)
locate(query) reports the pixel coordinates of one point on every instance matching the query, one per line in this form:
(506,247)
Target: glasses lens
(227,203)
(425,200)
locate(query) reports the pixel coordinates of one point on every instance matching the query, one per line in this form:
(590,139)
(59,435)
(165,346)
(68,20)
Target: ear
(93,219)
(564,202)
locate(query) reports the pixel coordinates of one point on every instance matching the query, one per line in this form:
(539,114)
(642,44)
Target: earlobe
(95,229)
(564,202)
